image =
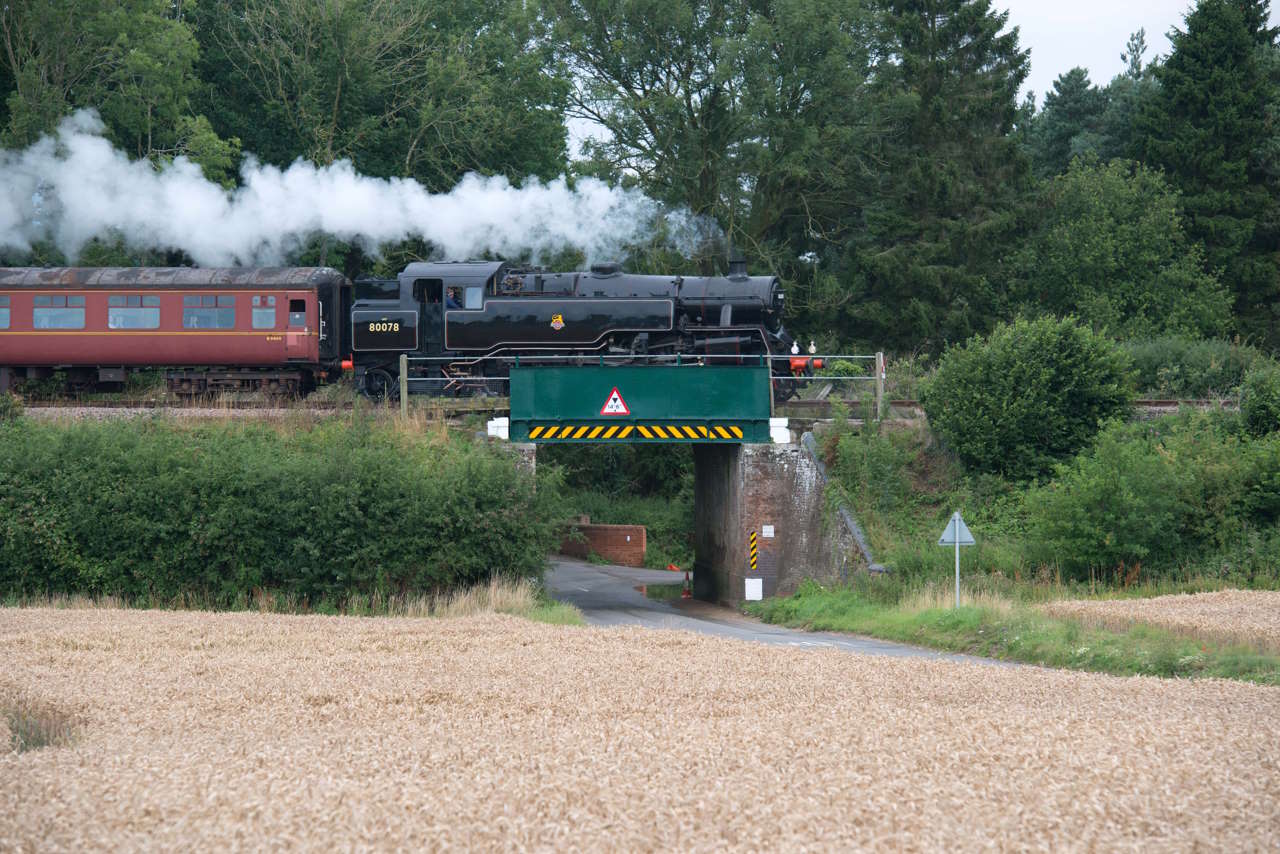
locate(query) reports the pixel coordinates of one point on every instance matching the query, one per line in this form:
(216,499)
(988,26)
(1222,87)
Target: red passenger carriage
(234,328)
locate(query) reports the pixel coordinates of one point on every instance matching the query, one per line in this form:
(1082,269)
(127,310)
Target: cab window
(474,297)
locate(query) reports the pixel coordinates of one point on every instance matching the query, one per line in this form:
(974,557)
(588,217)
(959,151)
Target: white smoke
(75,186)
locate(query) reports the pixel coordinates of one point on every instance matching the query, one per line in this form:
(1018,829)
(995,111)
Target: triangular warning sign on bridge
(615,405)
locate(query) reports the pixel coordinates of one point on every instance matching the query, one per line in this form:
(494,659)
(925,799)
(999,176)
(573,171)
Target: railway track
(799,409)
(424,404)
(911,408)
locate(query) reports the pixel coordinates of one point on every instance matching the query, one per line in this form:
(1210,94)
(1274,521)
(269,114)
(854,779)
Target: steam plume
(75,186)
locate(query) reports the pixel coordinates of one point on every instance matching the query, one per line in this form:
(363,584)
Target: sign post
(957,534)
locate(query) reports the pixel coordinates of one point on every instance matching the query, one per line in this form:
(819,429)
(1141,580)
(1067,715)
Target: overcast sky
(1091,33)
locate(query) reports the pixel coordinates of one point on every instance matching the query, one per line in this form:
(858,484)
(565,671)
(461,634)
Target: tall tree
(948,193)
(1069,124)
(429,91)
(132,60)
(1207,128)
(1110,247)
(1126,94)
(752,113)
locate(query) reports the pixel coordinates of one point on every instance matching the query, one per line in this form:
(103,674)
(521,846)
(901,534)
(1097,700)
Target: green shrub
(1157,495)
(10,407)
(1174,366)
(144,509)
(1260,399)
(1033,393)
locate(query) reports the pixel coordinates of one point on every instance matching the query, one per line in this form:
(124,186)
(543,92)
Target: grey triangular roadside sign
(956,530)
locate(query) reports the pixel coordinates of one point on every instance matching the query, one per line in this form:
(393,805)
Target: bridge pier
(776,492)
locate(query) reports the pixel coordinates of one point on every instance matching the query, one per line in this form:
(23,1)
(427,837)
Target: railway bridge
(762,520)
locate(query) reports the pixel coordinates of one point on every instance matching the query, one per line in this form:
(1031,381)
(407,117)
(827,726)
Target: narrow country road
(610,596)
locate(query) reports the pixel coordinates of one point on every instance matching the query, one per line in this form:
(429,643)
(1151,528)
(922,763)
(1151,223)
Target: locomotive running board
(632,404)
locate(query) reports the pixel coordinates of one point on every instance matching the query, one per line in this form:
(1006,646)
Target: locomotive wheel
(379,385)
(784,390)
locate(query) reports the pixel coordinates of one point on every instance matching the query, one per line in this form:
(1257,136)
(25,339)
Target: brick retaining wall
(620,544)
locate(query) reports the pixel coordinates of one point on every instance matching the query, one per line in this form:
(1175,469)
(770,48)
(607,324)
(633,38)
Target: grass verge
(1003,629)
(520,598)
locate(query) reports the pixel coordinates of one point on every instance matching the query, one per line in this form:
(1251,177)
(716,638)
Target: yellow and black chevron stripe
(755,553)
(646,430)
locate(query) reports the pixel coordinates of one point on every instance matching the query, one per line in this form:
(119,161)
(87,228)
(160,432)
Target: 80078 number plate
(384,330)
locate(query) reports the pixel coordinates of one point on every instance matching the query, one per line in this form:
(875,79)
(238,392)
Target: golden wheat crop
(198,730)
(1249,617)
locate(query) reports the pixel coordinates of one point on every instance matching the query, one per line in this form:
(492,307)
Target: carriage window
(4,312)
(208,312)
(475,298)
(133,312)
(58,312)
(264,312)
(297,312)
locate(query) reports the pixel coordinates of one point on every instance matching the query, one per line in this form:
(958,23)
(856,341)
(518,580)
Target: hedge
(156,509)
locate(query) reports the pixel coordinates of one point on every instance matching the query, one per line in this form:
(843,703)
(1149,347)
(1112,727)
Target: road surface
(610,596)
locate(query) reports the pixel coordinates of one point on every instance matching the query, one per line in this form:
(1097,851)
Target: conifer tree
(1207,128)
(948,192)
(1068,125)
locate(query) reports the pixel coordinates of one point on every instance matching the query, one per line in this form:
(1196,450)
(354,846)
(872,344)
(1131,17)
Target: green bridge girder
(641,404)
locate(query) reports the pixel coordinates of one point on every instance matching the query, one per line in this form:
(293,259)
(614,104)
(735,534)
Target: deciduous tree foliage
(1110,247)
(132,60)
(429,91)
(754,114)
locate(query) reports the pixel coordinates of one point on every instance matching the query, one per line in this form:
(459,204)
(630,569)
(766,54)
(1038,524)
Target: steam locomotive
(474,319)
(286,329)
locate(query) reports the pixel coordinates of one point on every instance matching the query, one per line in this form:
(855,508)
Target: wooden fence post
(404,386)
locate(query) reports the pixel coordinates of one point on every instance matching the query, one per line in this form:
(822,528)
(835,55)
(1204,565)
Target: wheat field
(1247,617)
(233,731)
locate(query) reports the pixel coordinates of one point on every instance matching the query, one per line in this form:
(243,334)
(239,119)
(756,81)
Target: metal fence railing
(796,368)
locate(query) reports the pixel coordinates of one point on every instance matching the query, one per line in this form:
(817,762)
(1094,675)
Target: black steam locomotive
(473,319)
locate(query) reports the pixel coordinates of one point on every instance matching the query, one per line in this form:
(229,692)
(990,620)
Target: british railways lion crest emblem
(557,322)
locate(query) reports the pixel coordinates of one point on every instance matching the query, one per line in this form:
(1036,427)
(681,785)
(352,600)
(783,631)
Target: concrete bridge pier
(777,492)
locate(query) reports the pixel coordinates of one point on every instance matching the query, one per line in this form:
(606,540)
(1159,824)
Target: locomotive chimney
(737,267)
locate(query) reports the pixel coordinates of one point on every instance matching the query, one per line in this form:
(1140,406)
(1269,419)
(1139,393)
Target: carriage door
(297,331)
